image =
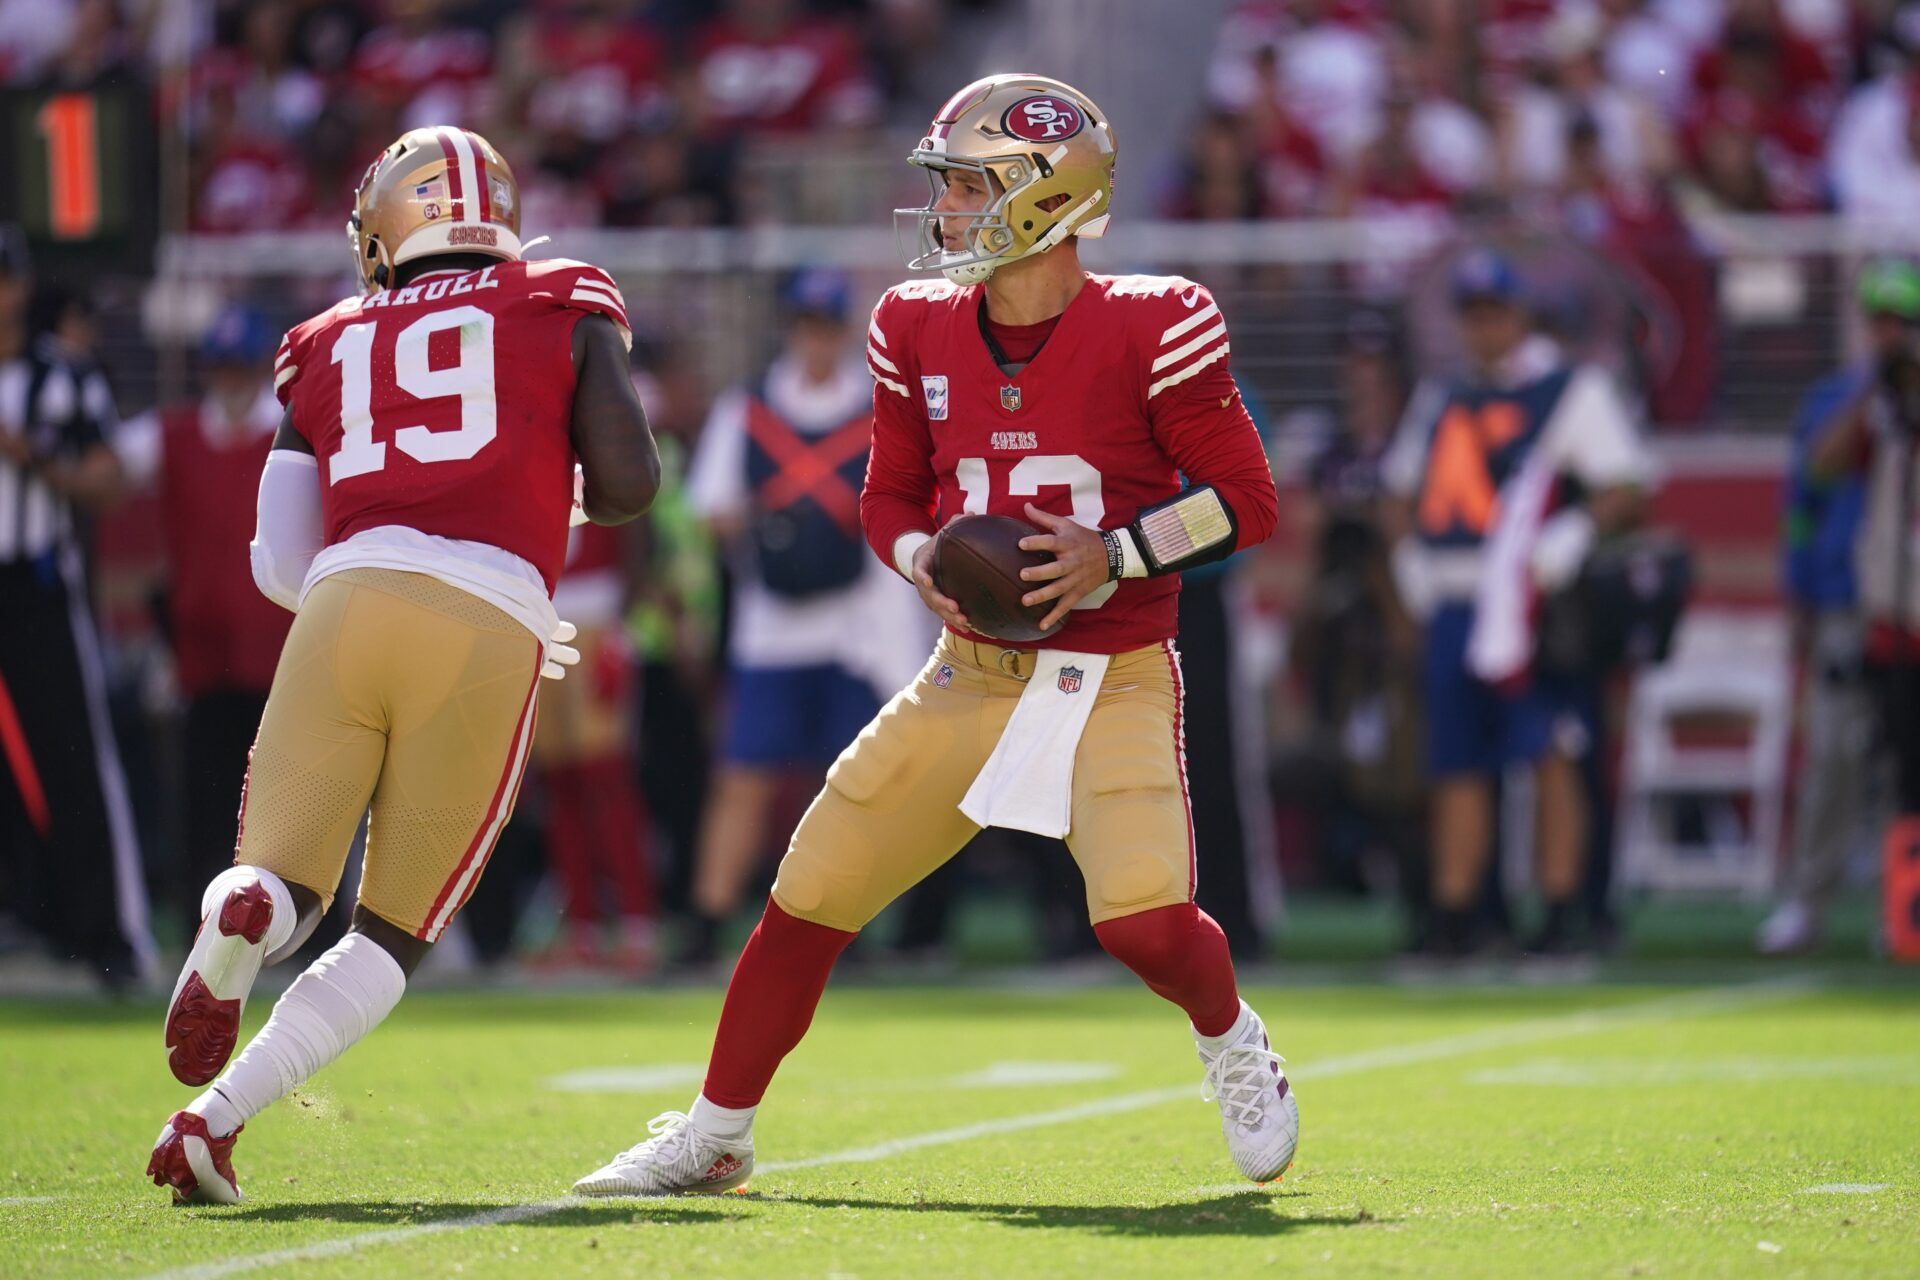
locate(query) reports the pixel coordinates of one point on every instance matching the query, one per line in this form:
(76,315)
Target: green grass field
(1766,1125)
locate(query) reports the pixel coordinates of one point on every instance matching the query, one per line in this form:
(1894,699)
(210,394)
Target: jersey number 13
(1025,480)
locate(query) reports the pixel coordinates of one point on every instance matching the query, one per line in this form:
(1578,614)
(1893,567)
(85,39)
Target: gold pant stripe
(889,814)
(406,700)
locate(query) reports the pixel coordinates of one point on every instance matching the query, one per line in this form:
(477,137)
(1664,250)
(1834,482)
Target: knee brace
(1127,881)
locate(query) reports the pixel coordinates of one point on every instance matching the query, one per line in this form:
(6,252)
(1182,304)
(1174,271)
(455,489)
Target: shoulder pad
(1151,287)
(934,290)
(582,287)
(1180,327)
(296,342)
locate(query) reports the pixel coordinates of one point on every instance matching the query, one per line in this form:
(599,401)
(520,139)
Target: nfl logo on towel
(1069,676)
(934,387)
(943,677)
(1010,399)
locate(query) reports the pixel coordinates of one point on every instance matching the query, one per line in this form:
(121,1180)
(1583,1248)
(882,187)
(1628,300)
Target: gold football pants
(889,814)
(399,691)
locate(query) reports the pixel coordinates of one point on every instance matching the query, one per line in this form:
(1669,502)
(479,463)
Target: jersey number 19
(471,379)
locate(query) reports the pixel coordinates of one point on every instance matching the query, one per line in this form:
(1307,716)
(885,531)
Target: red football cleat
(203,1020)
(198,1166)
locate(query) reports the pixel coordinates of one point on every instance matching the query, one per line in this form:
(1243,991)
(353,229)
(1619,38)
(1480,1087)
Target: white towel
(1500,648)
(1027,783)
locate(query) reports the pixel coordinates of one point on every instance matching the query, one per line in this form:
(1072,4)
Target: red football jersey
(447,406)
(226,635)
(1130,393)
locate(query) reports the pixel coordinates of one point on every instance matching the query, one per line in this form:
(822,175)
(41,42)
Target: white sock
(280,928)
(729,1124)
(344,995)
(222,1116)
(1211,1045)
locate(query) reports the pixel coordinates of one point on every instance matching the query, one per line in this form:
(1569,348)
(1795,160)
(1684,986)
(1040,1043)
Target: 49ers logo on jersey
(1043,118)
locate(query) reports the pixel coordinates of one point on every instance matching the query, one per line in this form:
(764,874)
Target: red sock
(569,841)
(1180,953)
(620,831)
(770,1004)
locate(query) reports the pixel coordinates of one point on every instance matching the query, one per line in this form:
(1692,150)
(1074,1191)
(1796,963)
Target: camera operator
(1822,531)
(1876,435)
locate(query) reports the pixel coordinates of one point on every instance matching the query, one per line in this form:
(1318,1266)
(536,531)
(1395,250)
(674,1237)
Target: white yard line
(7,1200)
(1847,1188)
(1664,1008)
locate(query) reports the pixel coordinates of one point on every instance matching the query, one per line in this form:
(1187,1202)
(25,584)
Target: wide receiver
(414,513)
(1021,385)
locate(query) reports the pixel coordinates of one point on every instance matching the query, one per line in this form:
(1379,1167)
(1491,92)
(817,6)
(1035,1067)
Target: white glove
(578,516)
(1562,548)
(560,654)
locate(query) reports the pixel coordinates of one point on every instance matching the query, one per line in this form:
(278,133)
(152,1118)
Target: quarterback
(1100,410)
(413,513)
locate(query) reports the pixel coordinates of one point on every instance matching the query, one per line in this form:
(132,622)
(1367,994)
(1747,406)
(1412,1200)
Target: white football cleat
(197,1165)
(1258,1111)
(678,1160)
(203,1018)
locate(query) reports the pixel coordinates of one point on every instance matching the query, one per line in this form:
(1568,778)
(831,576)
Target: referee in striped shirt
(69,861)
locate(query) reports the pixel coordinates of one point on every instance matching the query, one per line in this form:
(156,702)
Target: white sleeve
(287,532)
(1592,435)
(1406,458)
(137,444)
(717,476)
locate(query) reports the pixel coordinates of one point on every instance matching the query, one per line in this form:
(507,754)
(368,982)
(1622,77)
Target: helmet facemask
(1044,153)
(987,237)
(990,236)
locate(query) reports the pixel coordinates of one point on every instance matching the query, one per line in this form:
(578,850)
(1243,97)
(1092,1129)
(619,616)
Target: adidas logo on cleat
(725,1167)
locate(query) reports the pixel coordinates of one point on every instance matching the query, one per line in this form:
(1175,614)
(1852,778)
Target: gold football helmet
(436,190)
(1034,140)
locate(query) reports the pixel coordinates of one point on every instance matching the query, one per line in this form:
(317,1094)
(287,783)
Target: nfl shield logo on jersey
(1010,399)
(943,677)
(1070,679)
(934,387)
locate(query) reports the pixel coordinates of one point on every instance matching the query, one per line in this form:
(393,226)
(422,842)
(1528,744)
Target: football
(977,561)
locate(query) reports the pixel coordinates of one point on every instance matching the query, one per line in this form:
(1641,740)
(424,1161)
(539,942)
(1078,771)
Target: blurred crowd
(615,112)
(1592,112)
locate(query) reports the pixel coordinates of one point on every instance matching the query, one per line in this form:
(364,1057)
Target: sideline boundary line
(1711,1000)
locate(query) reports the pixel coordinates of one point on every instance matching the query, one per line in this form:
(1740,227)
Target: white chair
(1733,669)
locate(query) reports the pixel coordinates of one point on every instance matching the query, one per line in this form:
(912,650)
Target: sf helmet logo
(1043,119)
